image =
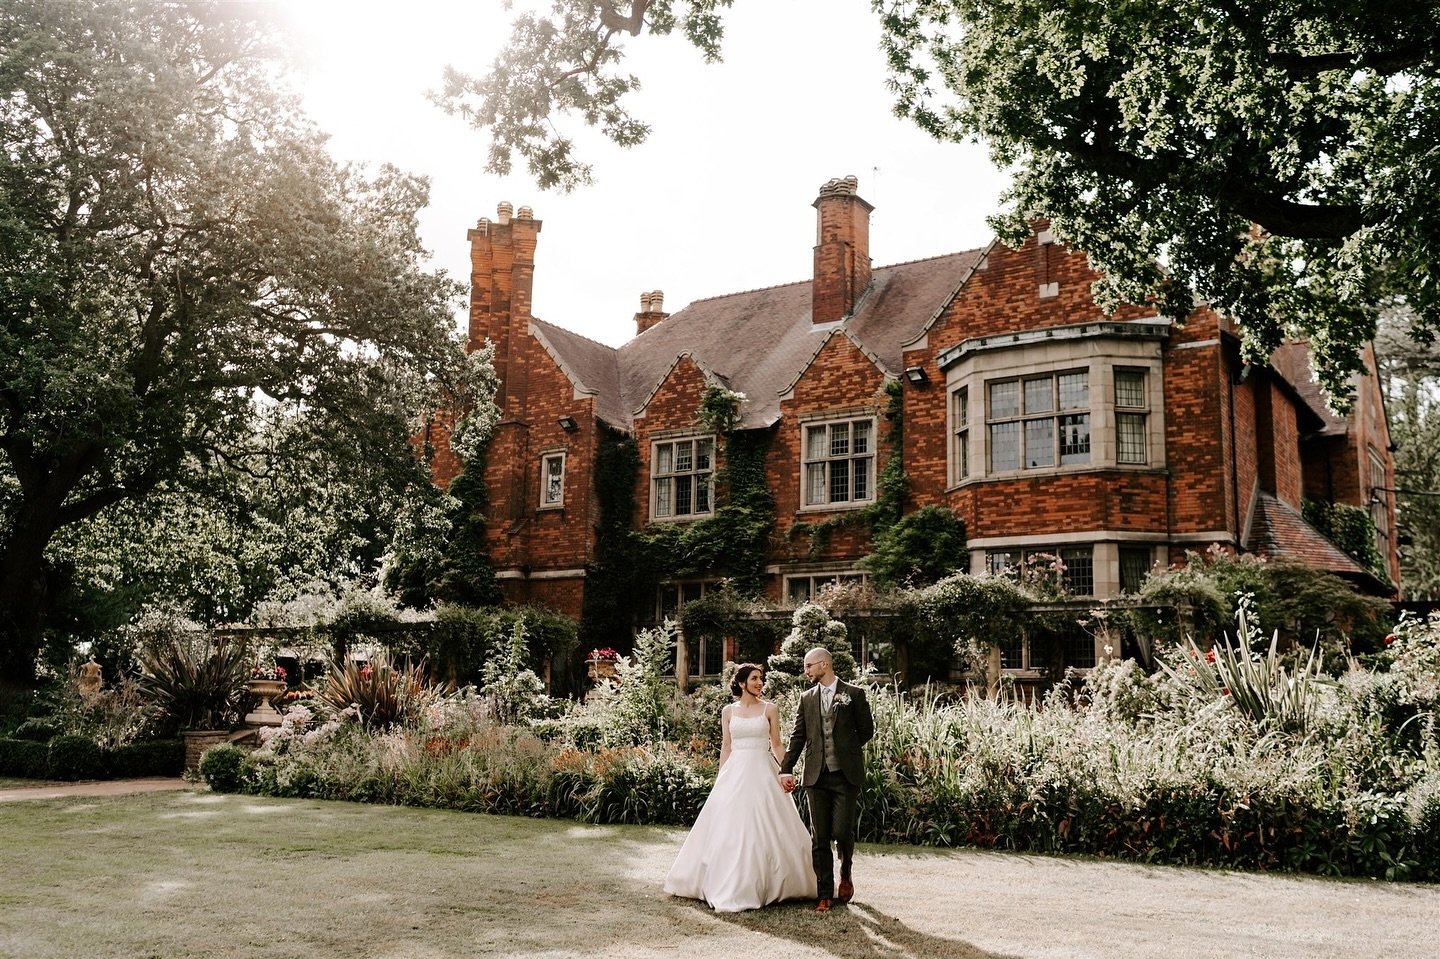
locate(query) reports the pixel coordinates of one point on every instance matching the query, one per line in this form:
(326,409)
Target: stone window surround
(1106,553)
(1095,352)
(849,414)
(847,572)
(546,456)
(661,438)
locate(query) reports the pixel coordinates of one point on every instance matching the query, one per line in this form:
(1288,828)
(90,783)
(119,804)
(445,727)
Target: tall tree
(1411,373)
(1274,158)
(180,258)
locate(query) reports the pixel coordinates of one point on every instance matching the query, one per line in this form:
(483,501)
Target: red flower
(1224,690)
(1209,655)
(1389,639)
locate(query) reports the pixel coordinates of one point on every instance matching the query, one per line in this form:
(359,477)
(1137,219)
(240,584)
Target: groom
(832,728)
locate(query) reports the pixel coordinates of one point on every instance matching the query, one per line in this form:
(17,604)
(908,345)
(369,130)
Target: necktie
(825,694)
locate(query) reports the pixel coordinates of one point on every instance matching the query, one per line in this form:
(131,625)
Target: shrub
(384,694)
(75,757)
(195,680)
(37,729)
(157,757)
(220,767)
(24,758)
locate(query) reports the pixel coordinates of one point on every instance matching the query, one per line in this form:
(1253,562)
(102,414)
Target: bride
(748,847)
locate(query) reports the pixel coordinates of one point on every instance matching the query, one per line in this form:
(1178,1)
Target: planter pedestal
(199,740)
(264,690)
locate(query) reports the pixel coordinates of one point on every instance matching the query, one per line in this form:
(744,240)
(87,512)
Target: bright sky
(716,201)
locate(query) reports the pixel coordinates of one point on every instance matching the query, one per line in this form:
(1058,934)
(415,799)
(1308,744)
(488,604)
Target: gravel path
(104,787)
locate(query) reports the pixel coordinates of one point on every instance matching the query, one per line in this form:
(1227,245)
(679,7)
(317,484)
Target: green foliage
(619,573)
(1302,602)
(193,679)
(193,290)
(1351,529)
(567,61)
(383,693)
(155,757)
(811,626)
(639,708)
(919,549)
(1302,220)
(1410,375)
(515,693)
(726,612)
(74,757)
(24,758)
(971,614)
(220,767)
(1260,686)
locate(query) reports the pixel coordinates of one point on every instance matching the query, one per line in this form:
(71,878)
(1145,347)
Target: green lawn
(195,874)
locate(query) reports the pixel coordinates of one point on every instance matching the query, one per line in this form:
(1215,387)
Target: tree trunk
(24,599)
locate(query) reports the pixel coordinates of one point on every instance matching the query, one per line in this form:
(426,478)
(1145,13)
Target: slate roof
(1278,529)
(757,342)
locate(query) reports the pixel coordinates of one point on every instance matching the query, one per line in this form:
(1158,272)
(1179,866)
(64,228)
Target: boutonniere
(842,699)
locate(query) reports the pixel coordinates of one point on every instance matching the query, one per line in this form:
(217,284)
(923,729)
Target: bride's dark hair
(742,673)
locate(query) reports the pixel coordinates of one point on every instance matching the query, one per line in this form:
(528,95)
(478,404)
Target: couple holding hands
(748,847)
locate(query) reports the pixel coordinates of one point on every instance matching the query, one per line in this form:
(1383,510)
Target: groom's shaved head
(818,665)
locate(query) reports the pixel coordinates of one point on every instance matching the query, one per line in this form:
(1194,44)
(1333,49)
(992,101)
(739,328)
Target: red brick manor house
(1116,442)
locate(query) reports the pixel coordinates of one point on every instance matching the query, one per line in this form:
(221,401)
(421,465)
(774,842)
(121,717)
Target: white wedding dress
(748,846)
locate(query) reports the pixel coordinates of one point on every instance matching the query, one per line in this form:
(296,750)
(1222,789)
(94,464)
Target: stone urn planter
(264,691)
(600,669)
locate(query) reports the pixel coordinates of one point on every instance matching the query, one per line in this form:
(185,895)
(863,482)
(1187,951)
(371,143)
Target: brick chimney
(652,311)
(502,275)
(842,251)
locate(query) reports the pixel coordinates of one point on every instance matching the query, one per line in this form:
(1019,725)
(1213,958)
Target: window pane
(839,439)
(862,478)
(815,484)
(1039,443)
(815,442)
(1004,446)
(860,439)
(1079,570)
(840,481)
(998,560)
(1077,647)
(1130,437)
(1074,390)
(1130,388)
(669,601)
(1010,653)
(683,485)
(554,479)
(1134,567)
(798,590)
(684,457)
(1037,396)
(962,453)
(703,452)
(702,494)
(1074,439)
(663,492)
(962,407)
(1004,399)
(664,458)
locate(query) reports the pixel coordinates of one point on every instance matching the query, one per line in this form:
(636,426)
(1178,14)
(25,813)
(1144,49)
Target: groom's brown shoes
(823,905)
(847,891)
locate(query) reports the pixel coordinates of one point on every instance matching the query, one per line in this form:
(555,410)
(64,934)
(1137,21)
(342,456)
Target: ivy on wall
(1351,529)
(629,564)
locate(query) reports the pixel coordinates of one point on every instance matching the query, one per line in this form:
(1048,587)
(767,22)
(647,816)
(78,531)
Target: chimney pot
(503,212)
(524,213)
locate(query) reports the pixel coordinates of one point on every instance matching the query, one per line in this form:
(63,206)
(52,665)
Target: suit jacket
(854,727)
